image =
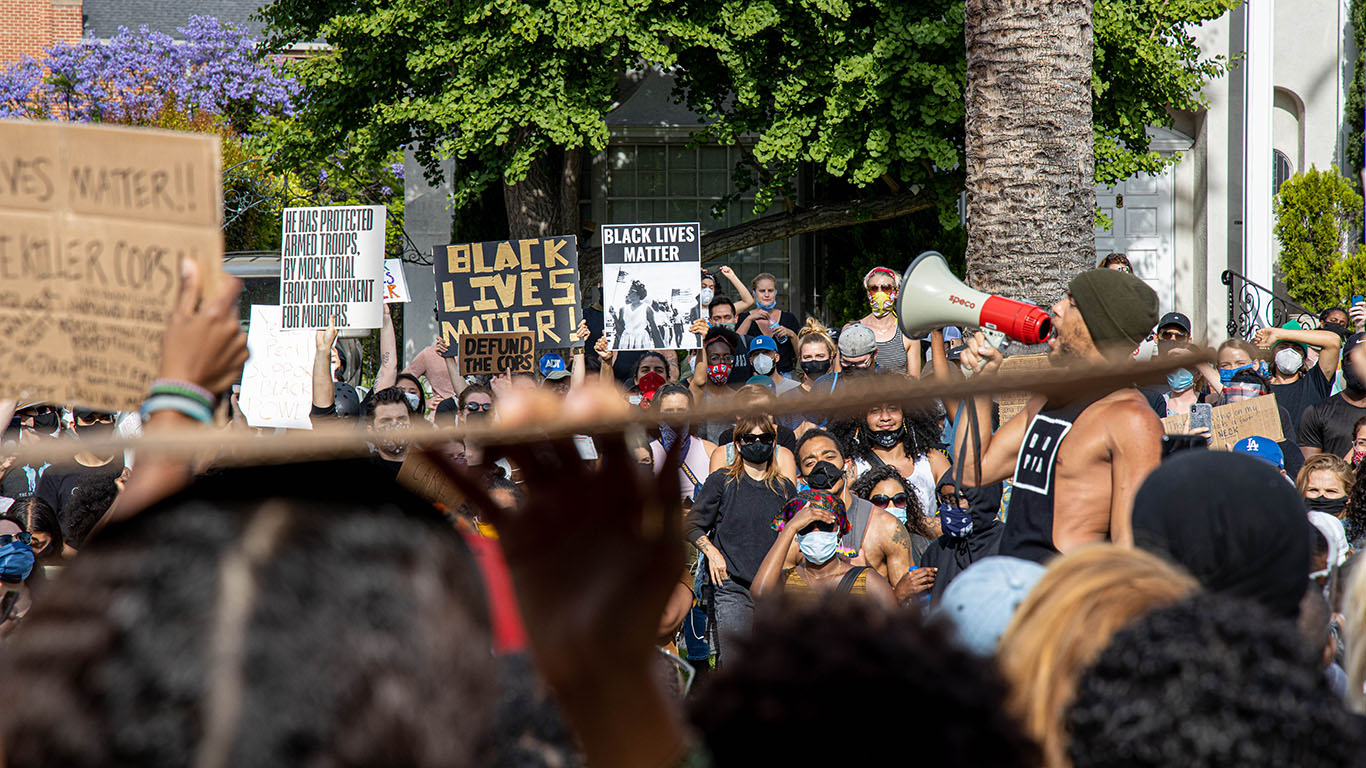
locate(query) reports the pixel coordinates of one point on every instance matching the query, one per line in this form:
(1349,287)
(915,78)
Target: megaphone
(931,297)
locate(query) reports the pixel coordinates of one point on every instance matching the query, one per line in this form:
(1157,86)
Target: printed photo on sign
(332,267)
(651,277)
(1038,454)
(509,286)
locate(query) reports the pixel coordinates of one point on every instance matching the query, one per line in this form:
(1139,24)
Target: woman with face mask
(895,351)
(887,435)
(710,290)
(675,400)
(815,520)
(885,488)
(730,522)
(1246,384)
(1323,483)
(767,319)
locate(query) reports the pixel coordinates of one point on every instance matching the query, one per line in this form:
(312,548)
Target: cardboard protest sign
(510,286)
(395,284)
(1010,403)
(1254,417)
(277,381)
(332,265)
(651,276)
(497,353)
(423,477)
(94,222)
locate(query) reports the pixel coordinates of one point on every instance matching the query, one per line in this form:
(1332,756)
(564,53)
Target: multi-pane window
(673,182)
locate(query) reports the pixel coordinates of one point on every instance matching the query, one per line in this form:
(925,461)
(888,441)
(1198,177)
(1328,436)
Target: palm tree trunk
(1030,169)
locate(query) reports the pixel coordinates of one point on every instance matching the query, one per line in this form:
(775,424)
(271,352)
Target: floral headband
(820,498)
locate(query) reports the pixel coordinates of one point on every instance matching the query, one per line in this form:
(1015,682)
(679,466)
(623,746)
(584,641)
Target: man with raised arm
(1076,465)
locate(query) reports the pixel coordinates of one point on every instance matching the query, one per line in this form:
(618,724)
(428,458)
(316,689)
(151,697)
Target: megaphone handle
(994,337)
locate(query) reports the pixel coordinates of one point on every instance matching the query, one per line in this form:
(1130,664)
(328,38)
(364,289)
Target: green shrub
(1318,216)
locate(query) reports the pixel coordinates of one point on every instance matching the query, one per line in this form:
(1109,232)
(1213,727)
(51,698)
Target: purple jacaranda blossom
(138,74)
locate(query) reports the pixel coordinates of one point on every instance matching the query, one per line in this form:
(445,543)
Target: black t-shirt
(1328,425)
(1311,388)
(21,481)
(741,514)
(786,438)
(60,483)
(390,468)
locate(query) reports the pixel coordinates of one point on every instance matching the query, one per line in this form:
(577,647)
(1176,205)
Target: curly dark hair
(1210,681)
(874,662)
(921,434)
(1354,520)
(915,514)
(387,396)
(343,616)
(88,503)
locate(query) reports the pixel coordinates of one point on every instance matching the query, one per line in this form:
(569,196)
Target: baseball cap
(1177,319)
(857,340)
(981,600)
(557,375)
(1263,448)
(1294,325)
(550,362)
(762,343)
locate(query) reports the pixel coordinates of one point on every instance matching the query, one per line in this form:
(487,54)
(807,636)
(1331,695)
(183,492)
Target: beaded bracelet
(184,388)
(166,401)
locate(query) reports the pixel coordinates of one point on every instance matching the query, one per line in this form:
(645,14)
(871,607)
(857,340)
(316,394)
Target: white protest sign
(332,264)
(277,381)
(395,284)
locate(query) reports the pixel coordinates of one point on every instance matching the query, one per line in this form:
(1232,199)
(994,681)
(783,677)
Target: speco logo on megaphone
(931,297)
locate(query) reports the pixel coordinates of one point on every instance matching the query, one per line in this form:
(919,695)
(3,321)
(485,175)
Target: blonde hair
(1325,462)
(773,476)
(1253,353)
(815,333)
(763,276)
(1083,599)
(1354,628)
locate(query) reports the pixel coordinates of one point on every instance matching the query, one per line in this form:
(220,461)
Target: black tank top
(1029,519)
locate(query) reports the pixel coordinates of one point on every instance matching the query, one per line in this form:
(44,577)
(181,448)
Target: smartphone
(1357,299)
(1174,444)
(1202,416)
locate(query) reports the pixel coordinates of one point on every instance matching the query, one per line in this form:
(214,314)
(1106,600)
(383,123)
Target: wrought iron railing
(1252,306)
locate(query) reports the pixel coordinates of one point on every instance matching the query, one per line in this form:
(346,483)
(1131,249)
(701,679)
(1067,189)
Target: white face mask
(817,546)
(1289,360)
(706,296)
(898,512)
(763,364)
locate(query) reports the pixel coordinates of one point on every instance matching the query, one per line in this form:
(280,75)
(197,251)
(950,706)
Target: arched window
(1281,170)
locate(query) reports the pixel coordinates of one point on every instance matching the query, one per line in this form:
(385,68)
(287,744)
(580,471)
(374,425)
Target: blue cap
(550,362)
(761,343)
(952,332)
(766,381)
(981,600)
(1263,448)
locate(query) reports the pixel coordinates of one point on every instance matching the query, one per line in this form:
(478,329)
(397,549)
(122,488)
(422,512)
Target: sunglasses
(23,536)
(882,500)
(766,438)
(1172,335)
(477,407)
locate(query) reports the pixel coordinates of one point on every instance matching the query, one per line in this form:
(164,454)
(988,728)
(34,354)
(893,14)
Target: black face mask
(1333,507)
(823,476)
(861,370)
(887,438)
(45,422)
(757,453)
(96,431)
(1337,328)
(815,368)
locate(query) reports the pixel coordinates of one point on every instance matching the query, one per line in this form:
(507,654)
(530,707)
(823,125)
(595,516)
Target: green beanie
(1119,309)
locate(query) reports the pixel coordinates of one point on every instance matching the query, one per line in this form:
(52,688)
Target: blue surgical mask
(767,307)
(818,546)
(898,512)
(412,400)
(1226,374)
(1180,380)
(955,521)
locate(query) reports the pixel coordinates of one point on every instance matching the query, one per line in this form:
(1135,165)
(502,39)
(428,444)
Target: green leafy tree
(1356,92)
(865,96)
(1317,216)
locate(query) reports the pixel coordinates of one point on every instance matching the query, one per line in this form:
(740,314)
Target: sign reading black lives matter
(651,275)
(332,265)
(509,286)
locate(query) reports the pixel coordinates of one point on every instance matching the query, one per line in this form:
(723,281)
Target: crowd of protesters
(1068,585)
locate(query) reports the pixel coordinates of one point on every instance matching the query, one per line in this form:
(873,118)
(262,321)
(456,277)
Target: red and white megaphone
(931,297)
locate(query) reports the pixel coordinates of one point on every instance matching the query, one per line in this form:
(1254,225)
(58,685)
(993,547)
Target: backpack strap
(850,576)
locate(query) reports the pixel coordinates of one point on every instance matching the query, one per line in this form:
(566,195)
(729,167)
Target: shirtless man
(876,538)
(1091,453)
